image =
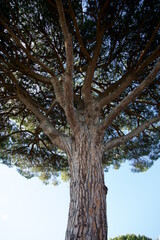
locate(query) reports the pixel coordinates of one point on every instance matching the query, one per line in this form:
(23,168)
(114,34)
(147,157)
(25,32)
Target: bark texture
(87,212)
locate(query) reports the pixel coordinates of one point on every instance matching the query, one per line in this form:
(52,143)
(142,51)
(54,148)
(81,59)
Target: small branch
(20,45)
(16,132)
(27,71)
(148,44)
(82,47)
(134,133)
(51,107)
(36,76)
(149,60)
(54,49)
(22,68)
(146,102)
(104,7)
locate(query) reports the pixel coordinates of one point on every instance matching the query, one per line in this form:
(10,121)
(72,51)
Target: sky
(30,210)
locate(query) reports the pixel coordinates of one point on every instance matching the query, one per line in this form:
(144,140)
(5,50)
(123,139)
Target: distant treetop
(131,237)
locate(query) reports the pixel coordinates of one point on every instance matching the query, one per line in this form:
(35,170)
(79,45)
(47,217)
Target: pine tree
(79,91)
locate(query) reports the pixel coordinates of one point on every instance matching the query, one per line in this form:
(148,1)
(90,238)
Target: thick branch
(100,29)
(86,89)
(127,100)
(67,38)
(115,90)
(67,77)
(57,138)
(134,133)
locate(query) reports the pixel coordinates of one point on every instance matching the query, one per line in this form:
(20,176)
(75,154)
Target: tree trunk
(87,212)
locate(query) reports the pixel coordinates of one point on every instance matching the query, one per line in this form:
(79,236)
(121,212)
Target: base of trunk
(88,222)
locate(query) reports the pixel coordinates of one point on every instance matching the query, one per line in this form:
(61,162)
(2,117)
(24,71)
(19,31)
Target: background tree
(79,92)
(131,237)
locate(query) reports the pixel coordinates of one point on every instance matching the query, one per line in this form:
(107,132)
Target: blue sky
(29,210)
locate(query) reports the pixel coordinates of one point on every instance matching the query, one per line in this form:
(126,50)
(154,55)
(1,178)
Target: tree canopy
(83,61)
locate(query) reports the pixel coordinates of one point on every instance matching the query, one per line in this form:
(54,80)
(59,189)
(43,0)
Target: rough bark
(87,211)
